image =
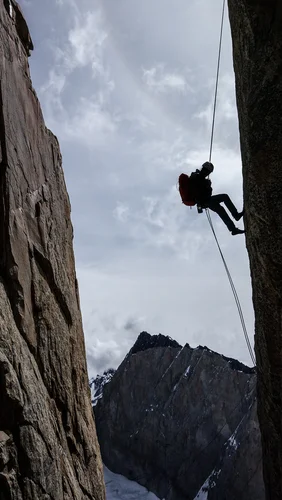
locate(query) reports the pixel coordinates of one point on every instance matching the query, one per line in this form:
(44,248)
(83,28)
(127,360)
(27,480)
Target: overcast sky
(127,86)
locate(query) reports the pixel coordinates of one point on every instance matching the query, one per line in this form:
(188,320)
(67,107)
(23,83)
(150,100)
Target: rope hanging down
(238,304)
(217,77)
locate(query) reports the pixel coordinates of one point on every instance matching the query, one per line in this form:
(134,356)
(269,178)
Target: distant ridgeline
(181,421)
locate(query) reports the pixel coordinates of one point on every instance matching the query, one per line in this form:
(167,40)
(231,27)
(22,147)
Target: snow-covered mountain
(97,384)
(182,422)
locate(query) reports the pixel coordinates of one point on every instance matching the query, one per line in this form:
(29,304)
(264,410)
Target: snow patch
(208,485)
(97,385)
(174,359)
(120,488)
(232,442)
(203,492)
(187,371)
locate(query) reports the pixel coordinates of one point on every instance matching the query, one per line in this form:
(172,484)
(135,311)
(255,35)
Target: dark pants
(214,204)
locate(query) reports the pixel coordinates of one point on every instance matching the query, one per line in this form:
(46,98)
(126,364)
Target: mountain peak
(146,341)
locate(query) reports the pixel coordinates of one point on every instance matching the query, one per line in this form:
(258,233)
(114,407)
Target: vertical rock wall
(257,52)
(48,444)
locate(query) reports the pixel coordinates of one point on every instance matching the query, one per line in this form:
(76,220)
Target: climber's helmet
(207,168)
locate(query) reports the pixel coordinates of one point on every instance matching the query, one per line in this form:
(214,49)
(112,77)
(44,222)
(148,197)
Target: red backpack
(187,190)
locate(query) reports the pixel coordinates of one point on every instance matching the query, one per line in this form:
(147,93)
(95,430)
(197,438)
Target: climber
(197,190)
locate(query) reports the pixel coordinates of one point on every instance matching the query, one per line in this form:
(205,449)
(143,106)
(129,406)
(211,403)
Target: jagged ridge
(176,419)
(146,341)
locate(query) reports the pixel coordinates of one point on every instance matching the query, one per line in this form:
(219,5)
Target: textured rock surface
(175,419)
(48,444)
(257,52)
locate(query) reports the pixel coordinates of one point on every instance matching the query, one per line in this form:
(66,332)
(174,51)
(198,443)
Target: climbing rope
(217,77)
(233,288)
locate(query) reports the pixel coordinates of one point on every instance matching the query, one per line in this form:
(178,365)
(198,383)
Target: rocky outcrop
(182,421)
(257,54)
(98,383)
(48,444)
(146,341)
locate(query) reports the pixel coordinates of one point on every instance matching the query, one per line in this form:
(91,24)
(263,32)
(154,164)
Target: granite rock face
(182,421)
(257,55)
(48,444)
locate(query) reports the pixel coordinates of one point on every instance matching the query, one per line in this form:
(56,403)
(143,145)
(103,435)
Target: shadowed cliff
(257,54)
(48,444)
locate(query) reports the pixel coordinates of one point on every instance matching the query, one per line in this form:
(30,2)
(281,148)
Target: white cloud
(226,111)
(190,300)
(109,336)
(89,120)
(55,84)
(164,224)
(91,125)
(126,133)
(70,3)
(86,42)
(161,221)
(159,80)
(121,212)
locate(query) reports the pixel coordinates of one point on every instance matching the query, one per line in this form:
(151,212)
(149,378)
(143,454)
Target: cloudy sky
(127,86)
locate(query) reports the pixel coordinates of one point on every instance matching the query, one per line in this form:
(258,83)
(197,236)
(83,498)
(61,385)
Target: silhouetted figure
(197,190)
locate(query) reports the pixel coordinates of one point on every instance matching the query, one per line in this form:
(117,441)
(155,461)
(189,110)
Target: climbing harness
(233,288)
